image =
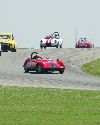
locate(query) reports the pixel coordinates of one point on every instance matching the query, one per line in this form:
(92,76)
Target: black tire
(0,53)
(82,47)
(4,50)
(61,71)
(38,69)
(44,47)
(93,46)
(13,50)
(26,69)
(57,45)
(41,46)
(61,46)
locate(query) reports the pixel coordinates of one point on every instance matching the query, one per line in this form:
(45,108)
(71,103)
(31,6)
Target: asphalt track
(12,73)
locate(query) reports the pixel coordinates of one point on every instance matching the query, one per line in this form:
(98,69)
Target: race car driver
(37,56)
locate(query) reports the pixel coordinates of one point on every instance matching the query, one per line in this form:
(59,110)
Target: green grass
(92,67)
(38,106)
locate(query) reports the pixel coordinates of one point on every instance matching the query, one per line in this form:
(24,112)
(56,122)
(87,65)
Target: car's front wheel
(39,69)
(0,53)
(61,46)
(61,71)
(41,46)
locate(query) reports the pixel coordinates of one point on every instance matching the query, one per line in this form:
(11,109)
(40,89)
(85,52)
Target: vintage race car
(36,63)
(83,43)
(52,40)
(7,42)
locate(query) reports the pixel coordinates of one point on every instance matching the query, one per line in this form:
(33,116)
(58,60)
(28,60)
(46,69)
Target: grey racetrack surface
(12,73)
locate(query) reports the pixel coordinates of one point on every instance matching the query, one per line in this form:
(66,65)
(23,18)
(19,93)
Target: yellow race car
(7,42)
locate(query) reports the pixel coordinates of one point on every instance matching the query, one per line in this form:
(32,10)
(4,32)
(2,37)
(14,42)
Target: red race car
(36,63)
(83,43)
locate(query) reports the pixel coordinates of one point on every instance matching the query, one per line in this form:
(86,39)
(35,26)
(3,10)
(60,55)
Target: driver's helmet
(37,55)
(56,34)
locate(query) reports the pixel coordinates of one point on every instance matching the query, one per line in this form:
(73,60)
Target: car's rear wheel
(39,69)
(44,47)
(57,45)
(26,69)
(0,53)
(61,71)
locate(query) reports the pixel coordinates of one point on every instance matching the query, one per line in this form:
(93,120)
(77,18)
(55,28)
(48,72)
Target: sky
(32,20)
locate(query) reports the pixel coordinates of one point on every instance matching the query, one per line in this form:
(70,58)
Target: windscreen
(5,36)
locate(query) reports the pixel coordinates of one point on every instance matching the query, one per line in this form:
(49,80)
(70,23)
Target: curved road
(12,73)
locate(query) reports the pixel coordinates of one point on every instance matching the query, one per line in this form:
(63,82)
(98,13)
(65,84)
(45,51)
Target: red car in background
(83,43)
(40,65)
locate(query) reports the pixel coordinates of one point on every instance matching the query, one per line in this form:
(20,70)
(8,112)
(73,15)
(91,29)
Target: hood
(48,63)
(82,43)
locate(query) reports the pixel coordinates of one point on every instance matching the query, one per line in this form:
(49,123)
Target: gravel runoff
(12,73)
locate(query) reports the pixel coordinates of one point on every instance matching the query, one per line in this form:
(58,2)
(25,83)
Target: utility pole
(76,34)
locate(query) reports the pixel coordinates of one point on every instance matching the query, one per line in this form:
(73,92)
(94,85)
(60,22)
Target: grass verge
(92,67)
(38,106)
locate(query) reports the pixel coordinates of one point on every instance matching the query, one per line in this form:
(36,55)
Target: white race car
(52,40)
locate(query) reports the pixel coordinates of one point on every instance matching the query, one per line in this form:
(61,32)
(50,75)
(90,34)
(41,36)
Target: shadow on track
(33,72)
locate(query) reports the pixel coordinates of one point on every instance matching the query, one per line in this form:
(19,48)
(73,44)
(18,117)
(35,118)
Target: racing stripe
(47,41)
(50,40)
